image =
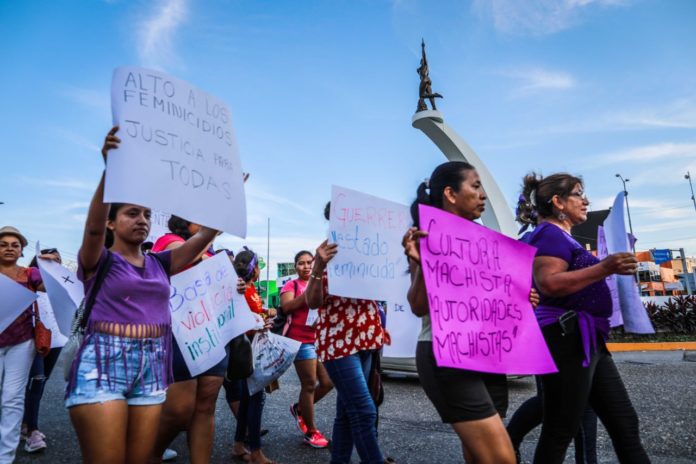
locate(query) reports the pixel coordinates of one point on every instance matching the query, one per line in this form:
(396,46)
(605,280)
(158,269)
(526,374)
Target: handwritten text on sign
(178,151)
(370,263)
(207,312)
(478,284)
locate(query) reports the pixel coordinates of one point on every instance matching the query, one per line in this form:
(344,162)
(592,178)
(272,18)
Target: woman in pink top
(309,369)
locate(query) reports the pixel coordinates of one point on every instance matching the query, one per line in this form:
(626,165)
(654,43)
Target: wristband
(315,277)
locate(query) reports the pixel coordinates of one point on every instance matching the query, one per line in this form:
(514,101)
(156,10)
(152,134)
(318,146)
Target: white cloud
(87,97)
(59,183)
(678,114)
(662,151)
(532,80)
(156,33)
(76,139)
(537,17)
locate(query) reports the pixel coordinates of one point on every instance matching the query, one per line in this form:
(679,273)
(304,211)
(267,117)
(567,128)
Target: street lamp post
(687,176)
(628,211)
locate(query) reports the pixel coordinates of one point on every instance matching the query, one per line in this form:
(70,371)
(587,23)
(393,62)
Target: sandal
(244,457)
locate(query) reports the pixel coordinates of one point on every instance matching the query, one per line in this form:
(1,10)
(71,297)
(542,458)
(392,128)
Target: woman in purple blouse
(120,375)
(574,316)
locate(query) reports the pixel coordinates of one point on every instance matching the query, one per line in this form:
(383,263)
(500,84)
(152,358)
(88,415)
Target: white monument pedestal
(497,215)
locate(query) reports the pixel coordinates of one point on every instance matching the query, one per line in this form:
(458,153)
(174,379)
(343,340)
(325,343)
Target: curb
(647,346)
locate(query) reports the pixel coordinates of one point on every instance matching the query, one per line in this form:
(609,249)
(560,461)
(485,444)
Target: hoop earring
(562,216)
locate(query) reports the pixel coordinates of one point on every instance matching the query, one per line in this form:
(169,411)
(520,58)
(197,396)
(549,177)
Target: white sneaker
(169,455)
(35,442)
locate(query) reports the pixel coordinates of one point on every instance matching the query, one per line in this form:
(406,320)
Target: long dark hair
(245,263)
(179,226)
(430,192)
(113,212)
(535,201)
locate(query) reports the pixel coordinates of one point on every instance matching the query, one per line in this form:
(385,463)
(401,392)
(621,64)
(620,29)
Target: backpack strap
(98,281)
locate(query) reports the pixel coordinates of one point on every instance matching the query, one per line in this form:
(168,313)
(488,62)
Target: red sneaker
(316,440)
(298,419)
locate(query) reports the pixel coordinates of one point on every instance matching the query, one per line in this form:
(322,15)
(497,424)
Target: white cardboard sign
(15,299)
(208,312)
(178,151)
(404,327)
(370,263)
(58,340)
(64,290)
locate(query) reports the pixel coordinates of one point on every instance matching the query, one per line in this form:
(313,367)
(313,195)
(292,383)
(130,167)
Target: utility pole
(628,211)
(687,176)
(268,265)
(685,272)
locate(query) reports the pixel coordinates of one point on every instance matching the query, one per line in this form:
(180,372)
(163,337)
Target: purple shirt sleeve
(165,259)
(550,240)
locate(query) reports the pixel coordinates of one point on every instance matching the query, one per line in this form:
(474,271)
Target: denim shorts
(307,351)
(131,370)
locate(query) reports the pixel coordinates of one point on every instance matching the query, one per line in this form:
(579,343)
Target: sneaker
(34,443)
(316,440)
(169,455)
(298,419)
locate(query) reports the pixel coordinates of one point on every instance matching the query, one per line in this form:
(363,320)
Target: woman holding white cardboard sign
(349,330)
(574,317)
(472,402)
(17,349)
(119,377)
(302,327)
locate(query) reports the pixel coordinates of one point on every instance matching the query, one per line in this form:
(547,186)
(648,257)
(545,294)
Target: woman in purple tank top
(120,375)
(573,312)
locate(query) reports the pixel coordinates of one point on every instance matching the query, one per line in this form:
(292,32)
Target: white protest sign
(208,312)
(15,299)
(159,225)
(58,340)
(403,327)
(178,151)
(370,263)
(616,318)
(635,318)
(64,290)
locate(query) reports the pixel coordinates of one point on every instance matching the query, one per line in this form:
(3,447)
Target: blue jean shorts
(131,370)
(307,351)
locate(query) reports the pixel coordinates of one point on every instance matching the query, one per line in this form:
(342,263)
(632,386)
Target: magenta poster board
(478,284)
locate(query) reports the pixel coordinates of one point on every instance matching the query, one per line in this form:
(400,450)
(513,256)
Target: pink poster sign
(478,284)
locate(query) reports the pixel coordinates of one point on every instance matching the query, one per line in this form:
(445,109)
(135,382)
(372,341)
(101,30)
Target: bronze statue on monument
(425,89)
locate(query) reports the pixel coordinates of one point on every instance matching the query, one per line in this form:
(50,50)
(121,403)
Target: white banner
(370,263)
(64,290)
(207,312)
(635,318)
(158,225)
(404,327)
(58,340)
(178,151)
(15,299)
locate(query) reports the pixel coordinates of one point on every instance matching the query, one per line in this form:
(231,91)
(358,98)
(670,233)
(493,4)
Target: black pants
(530,415)
(567,393)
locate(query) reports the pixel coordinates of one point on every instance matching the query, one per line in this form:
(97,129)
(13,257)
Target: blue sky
(322,92)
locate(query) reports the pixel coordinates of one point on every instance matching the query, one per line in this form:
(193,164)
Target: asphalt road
(662,387)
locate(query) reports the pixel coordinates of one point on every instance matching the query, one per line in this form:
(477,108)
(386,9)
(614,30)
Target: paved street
(661,385)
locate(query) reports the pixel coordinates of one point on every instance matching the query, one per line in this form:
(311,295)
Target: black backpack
(281,318)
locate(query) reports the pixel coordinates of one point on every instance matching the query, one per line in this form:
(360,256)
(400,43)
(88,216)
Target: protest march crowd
(131,388)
